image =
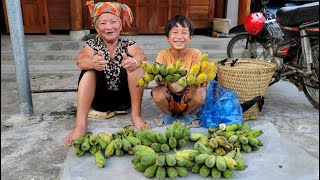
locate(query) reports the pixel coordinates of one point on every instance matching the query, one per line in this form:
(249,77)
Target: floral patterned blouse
(112,69)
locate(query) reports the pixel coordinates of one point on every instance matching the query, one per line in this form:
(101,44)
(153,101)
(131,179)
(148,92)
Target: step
(61,48)
(72,55)
(147,43)
(68,67)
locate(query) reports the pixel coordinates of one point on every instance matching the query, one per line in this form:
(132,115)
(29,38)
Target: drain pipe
(19,54)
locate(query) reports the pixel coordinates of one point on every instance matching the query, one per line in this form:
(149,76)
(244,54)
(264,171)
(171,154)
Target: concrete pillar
(20,57)
(75,15)
(232,12)
(243,10)
(76,22)
(219,10)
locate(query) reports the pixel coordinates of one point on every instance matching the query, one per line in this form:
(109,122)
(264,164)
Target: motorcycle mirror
(264,2)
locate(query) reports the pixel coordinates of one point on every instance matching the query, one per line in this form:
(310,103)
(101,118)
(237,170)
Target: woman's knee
(158,94)
(89,76)
(197,95)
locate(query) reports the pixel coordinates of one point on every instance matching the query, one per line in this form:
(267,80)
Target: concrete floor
(32,148)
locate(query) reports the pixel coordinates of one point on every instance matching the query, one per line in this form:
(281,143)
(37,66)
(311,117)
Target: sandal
(188,119)
(166,118)
(101,115)
(121,112)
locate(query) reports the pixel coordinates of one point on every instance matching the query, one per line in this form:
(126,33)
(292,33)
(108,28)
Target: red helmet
(254,23)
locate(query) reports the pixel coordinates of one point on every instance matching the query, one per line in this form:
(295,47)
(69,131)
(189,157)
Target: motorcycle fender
(237,30)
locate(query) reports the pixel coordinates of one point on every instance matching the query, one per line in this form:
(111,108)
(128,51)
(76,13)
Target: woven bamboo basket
(248,78)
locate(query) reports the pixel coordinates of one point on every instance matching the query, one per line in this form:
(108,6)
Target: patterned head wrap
(118,9)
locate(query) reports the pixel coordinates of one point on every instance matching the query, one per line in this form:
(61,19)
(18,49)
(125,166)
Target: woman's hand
(129,63)
(205,84)
(98,61)
(139,123)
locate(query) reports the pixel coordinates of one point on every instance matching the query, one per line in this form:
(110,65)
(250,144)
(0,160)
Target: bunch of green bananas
(160,165)
(206,143)
(176,136)
(161,73)
(123,142)
(217,156)
(241,136)
(200,72)
(217,166)
(125,131)
(94,144)
(103,145)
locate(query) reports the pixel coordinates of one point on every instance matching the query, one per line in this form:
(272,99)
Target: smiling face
(179,37)
(109,26)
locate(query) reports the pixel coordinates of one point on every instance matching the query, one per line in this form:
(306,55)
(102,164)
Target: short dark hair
(183,21)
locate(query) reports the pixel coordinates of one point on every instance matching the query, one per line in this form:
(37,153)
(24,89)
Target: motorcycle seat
(297,15)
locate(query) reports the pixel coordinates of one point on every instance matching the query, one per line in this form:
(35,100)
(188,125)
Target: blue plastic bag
(220,106)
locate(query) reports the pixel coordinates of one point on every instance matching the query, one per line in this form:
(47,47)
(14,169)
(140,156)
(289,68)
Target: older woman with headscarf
(110,70)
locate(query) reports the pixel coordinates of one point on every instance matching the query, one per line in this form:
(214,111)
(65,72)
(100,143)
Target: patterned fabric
(192,56)
(112,69)
(118,9)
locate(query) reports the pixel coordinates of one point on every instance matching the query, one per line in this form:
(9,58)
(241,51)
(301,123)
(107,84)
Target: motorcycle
(290,39)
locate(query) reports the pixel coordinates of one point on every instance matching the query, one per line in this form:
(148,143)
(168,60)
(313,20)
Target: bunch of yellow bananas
(200,72)
(161,73)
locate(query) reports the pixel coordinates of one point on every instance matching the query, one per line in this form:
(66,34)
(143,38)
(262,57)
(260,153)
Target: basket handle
(223,62)
(248,104)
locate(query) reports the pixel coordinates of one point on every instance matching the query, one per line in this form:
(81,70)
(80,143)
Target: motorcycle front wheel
(312,93)
(238,48)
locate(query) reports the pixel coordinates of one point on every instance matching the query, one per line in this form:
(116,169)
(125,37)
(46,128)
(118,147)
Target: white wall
(232,11)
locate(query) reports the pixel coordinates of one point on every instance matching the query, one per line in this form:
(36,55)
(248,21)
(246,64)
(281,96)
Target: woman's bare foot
(164,119)
(159,121)
(139,123)
(195,122)
(77,132)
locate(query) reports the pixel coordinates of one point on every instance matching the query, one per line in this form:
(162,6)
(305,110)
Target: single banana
(182,72)
(191,79)
(210,67)
(158,78)
(109,151)
(210,76)
(144,65)
(178,64)
(204,57)
(147,67)
(176,77)
(105,137)
(171,68)
(231,163)
(201,78)
(156,68)
(232,127)
(141,83)
(163,70)
(195,68)
(182,82)
(148,77)
(168,78)
(203,66)
(255,132)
